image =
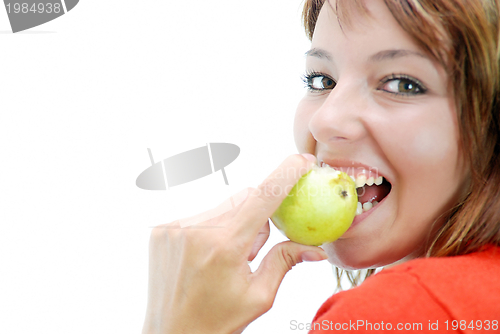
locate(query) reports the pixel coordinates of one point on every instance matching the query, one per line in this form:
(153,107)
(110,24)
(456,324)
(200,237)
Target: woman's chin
(352,259)
(349,257)
(343,261)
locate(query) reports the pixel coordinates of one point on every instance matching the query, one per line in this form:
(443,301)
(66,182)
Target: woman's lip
(359,218)
(344,163)
(350,167)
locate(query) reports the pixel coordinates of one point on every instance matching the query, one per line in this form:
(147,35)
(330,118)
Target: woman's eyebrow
(392,54)
(379,56)
(319,53)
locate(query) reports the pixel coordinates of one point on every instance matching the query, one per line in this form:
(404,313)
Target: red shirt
(459,294)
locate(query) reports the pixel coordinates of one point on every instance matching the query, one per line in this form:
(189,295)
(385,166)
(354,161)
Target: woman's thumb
(280,259)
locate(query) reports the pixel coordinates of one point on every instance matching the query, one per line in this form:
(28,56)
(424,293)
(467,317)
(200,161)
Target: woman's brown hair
(464,37)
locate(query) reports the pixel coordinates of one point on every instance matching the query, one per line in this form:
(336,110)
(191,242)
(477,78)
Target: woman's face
(379,106)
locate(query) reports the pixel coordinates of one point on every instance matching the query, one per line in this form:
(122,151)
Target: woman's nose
(339,118)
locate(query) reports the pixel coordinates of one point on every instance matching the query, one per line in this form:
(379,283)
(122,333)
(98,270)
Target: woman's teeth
(361,180)
(365,207)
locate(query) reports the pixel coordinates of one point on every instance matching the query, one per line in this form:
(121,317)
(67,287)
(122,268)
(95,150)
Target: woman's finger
(263,201)
(259,241)
(280,259)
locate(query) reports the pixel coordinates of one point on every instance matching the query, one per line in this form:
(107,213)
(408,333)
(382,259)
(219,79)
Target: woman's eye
(319,82)
(403,86)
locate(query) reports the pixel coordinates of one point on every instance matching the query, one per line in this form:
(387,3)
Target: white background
(81,100)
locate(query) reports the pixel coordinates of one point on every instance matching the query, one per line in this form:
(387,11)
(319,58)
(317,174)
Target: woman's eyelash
(412,85)
(397,84)
(309,77)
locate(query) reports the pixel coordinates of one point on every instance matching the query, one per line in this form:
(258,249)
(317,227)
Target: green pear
(319,208)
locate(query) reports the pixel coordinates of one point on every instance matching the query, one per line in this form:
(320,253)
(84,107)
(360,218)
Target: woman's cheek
(432,145)
(423,145)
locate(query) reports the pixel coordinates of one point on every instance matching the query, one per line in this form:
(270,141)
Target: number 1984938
(473,325)
(36,8)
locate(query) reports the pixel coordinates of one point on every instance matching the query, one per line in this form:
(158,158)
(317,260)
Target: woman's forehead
(355,16)
(379,31)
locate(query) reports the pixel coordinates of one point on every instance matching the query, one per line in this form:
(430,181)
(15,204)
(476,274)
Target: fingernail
(309,157)
(312,256)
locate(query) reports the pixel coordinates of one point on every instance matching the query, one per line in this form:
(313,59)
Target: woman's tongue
(373,193)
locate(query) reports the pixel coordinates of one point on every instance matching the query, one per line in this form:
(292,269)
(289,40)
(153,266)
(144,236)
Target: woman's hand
(199,278)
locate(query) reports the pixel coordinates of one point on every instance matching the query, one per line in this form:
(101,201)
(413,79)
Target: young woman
(409,89)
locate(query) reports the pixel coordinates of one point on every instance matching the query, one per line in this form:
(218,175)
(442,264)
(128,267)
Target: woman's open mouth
(371,187)
(370,193)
